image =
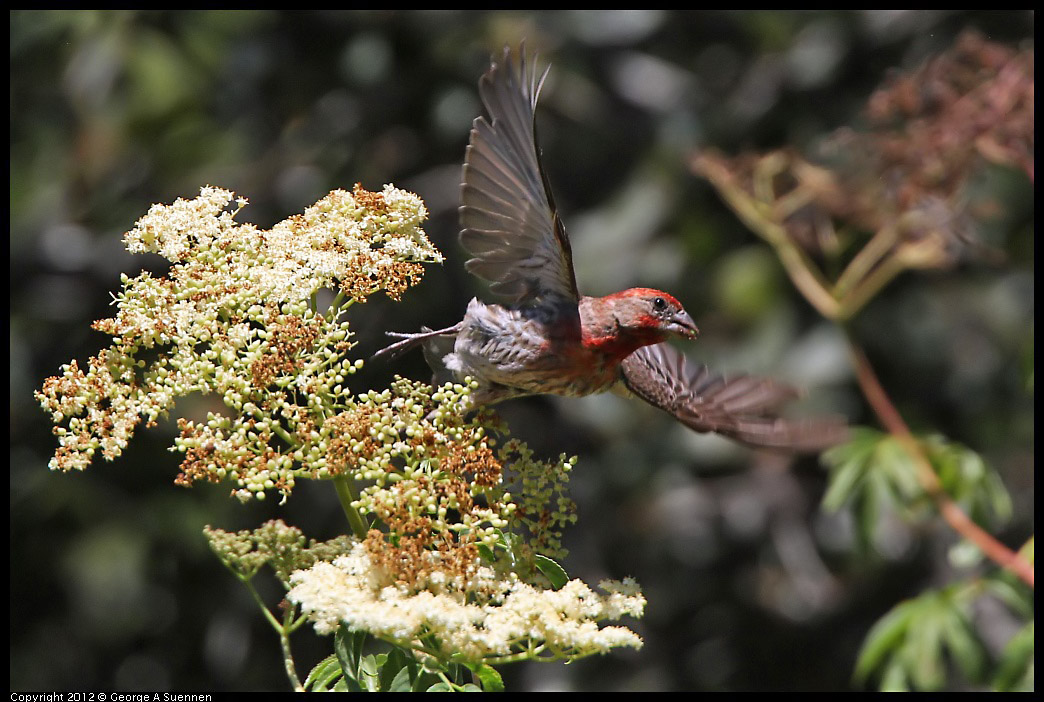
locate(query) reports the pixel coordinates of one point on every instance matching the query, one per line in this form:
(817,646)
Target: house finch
(545,337)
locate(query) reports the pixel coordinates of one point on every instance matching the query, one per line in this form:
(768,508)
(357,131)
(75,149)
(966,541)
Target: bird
(543,336)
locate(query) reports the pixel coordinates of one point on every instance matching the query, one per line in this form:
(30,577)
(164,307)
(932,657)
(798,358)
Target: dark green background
(749,585)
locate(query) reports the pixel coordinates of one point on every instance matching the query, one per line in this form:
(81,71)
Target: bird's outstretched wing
(507,215)
(742,408)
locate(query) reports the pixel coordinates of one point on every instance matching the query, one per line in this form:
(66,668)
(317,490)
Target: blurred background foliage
(750,584)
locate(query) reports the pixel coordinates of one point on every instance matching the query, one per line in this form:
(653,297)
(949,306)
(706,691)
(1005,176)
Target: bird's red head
(649,310)
(618,324)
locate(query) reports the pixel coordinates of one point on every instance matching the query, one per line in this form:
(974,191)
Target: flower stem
(346,495)
(288,658)
(283,629)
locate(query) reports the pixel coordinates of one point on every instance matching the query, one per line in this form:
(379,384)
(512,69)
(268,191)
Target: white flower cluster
(342,236)
(514,621)
(235,317)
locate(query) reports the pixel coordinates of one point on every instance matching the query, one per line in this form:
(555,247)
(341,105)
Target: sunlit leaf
(394,665)
(488,676)
(348,647)
(400,683)
(323,674)
(369,672)
(894,679)
(554,572)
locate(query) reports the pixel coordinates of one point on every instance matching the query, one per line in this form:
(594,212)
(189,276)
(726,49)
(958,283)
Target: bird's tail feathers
(409,341)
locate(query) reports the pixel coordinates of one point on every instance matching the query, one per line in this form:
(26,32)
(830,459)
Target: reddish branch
(893,422)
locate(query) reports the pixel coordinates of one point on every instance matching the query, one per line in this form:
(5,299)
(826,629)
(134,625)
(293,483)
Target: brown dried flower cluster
(904,178)
(976,99)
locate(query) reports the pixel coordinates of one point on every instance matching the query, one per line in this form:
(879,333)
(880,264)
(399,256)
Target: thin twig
(869,286)
(758,215)
(866,258)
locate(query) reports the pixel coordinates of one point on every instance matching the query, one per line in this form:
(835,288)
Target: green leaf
(892,459)
(965,646)
(1027,550)
(923,648)
(875,475)
(1015,597)
(400,683)
(323,674)
(394,663)
(552,571)
(883,639)
(348,646)
(999,499)
(369,671)
(909,647)
(848,464)
(440,686)
(486,553)
(894,679)
(844,479)
(421,678)
(967,478)
(510,542)
(488,676)
(877,500)
(1015,672)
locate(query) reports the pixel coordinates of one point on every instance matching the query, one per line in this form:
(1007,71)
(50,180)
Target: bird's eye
(660,304)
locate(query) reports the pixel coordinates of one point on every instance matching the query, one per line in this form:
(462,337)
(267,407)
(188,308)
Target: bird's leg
(411,340)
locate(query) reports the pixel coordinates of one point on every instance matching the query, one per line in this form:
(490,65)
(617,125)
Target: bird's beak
(682,325)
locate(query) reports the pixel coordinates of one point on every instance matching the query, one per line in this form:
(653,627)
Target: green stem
(288,658)
(345,494)
(261,603)
(283,434)
(452,685)
(283,629)
(335,306)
